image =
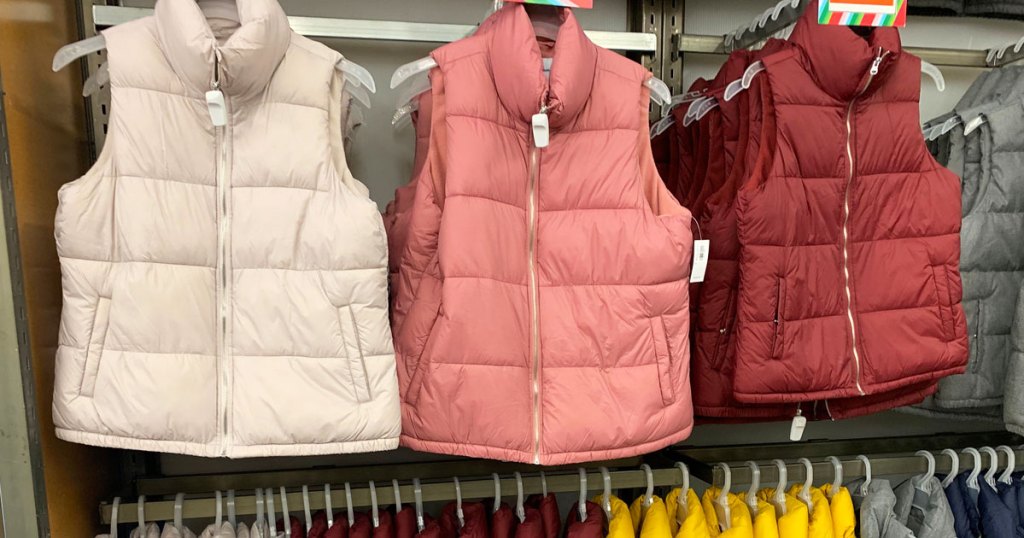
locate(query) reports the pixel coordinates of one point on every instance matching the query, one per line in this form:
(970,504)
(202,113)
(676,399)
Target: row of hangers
(778,500)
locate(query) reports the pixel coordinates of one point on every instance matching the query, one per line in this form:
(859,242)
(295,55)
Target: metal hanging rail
(475,488)
(321,27)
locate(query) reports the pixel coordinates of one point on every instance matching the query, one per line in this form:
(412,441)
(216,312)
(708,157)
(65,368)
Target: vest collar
(516,63)
(840,59)
(247,59)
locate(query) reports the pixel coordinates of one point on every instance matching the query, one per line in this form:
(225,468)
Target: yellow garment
(653,520)
(794,523)
(844,519)
(695,525)
(820,523)
(620,524)
(739,516)
(765,525)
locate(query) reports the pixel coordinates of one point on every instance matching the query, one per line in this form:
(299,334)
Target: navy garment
(998,520)
(967,521)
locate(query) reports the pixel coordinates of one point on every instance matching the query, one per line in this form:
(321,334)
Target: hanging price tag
(863,12)
(585,4)
(701,248)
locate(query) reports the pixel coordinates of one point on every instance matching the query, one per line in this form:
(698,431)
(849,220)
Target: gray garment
(1005,9)
(877,511)
(923,509)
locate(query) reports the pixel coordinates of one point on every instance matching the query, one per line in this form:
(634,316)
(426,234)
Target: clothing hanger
(358,93)
(722,501)
(581,505)
(778,499)
(543,484)
(837,475)
(990,475)
(805,492)
(417,495)
(232,519)
(114,517)
(407,102)
(867,474)
(305,508)
(668,119)
(972,124)
(458,503)
(919,482)
(606,496)
(520,509)
(972,479)
(649,481)
(219,511)
(285,516)
(374,509)
(398,495)
(1011,464)
(497,492)
(755,484)
(140,511)
(179,501)
(348,504)
(271,516)
(954,467)
(257,525)
(328,506)
(682,504)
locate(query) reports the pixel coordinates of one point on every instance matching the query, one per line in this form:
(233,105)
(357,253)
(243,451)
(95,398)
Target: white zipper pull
(541,131)
(215,102)
(876,63)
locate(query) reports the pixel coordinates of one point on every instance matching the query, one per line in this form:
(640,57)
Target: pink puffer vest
(545,288)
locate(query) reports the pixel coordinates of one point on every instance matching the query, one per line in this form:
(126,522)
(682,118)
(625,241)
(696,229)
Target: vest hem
(849,392)
(524,456)
(212,450)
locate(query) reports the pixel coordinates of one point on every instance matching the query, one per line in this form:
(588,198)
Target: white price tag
(701,248)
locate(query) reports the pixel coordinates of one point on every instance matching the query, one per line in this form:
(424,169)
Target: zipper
(223,262)
(846,218)
(531,215)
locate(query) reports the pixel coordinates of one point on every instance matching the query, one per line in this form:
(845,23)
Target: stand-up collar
(247,59)
(840,58)
(517,64)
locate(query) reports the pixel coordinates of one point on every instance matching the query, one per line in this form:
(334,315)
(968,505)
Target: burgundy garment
(386,525)
(475,515)
(432,529)
(340,527)
(319,527)
(503,522)
(405,523)
(593,527)
(362,527)
(298,529)
(850,234)
(532,526)
(547,505)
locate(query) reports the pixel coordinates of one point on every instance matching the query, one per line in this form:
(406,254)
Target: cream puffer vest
(224,287)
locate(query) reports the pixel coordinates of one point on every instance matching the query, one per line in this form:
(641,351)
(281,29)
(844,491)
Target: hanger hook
(931,467)
(497,491)
(268,494)
(779,496)
(954,466)
(417,495)
(232,519)
(682,506)
(140,510)
(398,494)
(305,508)
(458,502)
(649,481)
(114,516)
(867,474)
(990,474)
(543,484)
(805,491)
(606,494)
(755,484)
(972,479)
(837,475)
(581,506)
(179,502)
(374,509)
(726,481)
(328,505)
(1011,464)
(220,508)
(520,509)
(286,517)
(348,504)
(722,501)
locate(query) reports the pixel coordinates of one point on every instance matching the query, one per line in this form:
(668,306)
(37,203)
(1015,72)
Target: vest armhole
(437,144)
(657,195)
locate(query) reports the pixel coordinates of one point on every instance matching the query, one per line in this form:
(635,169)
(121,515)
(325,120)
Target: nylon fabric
(740,525)
(844,520)
(795,523)
(694,525)
(651,521)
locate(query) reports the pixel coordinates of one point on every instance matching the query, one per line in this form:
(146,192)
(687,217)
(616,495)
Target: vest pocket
(664,360)
(779,322)
(724,331)
(944,299)
(94,349)
(354,351)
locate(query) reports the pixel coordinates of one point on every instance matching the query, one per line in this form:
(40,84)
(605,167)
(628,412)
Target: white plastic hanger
(954,467)
(458,503)
(358,93)
(179,501)
(520,508)
(990,474)
(220,510)
(114,517)
(328,506)
(936,75)
(268,494)
(140,512)
(972,124)
(805,492)
(972,479)
(232,519)
(398,495)
(256,525)
(722,502)
(285,516)
(348,504)
(497,493)
(305,508)
(837,475)
(755,484)
(920,481)
(374,509)
(581,505)
(867,475)
(649,482)
(682,503)
(1011,464)
(417,495)
(779,496)
(543,484)
(407,102)
(606,495)
(743,83)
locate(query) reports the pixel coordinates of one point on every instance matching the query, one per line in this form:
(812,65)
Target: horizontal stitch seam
(545,367)
(477,196)
(470,277)
(235,269)
(183,96)
(147,178)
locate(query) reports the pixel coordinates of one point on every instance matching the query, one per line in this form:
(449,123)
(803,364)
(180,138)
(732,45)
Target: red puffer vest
(552,281)
(849,279)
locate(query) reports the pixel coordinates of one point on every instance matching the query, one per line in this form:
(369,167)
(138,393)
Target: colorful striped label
(863,12)
(585,4)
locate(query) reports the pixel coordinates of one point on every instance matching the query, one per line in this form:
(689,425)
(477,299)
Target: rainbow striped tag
(585,4)
(863,12)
